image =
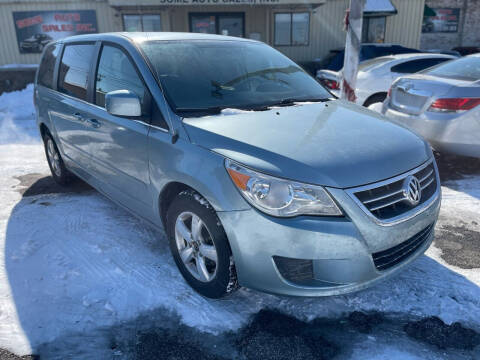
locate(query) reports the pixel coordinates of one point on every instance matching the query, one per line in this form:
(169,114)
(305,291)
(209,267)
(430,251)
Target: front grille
(386,259)
(294,270)
(388,201)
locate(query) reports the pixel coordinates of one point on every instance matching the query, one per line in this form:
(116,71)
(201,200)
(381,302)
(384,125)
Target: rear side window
(74,70)
(411,67)
(116,72)
(47,66)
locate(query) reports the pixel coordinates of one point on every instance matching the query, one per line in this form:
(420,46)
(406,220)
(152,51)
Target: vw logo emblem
(412,190)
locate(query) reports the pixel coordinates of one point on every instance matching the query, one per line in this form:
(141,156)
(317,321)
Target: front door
(119,145)
(231,24)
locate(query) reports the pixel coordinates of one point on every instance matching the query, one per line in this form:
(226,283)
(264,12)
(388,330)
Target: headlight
(279,197)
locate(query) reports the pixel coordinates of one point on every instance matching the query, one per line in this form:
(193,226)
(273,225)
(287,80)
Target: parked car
(258,176)
(375,76)
(35,43)
(334,61)
(442,105)
(427,25)
(446,52)
(467,50)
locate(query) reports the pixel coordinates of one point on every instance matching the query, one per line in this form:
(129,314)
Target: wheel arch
(168,193)
(372,97)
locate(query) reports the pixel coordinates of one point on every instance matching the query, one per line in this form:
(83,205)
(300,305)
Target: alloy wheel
(195,246)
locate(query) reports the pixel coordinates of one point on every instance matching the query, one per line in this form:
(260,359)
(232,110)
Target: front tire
(55,162)
(200,246)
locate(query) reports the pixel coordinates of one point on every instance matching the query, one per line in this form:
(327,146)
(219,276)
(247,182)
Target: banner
(445,20)
(35,29)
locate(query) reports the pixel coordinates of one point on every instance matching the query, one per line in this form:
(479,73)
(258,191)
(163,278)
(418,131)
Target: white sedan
(376,75)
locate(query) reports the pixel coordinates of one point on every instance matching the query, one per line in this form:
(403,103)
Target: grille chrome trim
(428,183)
(408,214)
(387,204)
(426,177)
(382,197)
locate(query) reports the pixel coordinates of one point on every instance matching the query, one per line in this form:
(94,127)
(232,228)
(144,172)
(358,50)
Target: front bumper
(340,249)
(451,133)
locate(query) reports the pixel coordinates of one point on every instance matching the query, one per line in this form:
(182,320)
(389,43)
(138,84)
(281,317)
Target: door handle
(79,117)
(93,123)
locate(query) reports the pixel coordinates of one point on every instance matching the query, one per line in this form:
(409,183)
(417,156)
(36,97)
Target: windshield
(467,68)
(200,75)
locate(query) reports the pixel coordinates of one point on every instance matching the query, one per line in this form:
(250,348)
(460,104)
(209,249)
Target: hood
(334,144)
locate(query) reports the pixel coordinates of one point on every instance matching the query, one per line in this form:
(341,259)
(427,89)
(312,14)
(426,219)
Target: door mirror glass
(123,103)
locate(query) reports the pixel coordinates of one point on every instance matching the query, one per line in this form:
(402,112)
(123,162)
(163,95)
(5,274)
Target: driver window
(116,72)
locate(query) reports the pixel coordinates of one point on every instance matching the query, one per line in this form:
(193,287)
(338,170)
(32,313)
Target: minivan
(258,175)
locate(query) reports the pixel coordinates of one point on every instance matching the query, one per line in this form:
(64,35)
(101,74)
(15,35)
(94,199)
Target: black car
(35,43)
(467,50)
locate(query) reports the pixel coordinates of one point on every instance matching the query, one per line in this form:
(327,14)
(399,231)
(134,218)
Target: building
(302,29)
(451,23)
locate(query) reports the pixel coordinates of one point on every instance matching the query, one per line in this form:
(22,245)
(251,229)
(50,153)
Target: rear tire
(55,162)
(200,246)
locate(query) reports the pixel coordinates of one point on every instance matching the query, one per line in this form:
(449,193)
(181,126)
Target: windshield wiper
(212,110)
(293,101)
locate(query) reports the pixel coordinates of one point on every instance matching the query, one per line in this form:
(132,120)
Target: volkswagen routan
(258,175)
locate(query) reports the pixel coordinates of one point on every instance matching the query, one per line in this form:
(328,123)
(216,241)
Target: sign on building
(35,29)
(445,20)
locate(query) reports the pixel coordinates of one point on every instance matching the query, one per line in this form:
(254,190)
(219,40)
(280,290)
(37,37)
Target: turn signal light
(241,180)
(454,104)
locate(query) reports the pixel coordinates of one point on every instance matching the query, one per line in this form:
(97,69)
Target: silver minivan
(259,176)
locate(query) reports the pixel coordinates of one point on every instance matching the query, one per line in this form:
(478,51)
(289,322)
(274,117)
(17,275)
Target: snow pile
(231,111)
(17,117)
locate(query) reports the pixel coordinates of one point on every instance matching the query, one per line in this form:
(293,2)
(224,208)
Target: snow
(76,262)
(376,107)
(17,114)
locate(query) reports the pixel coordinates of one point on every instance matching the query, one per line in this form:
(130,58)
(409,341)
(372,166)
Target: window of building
(292,29)
(411,67)
(47,67)
(146,22)
(230,24)
(116,72)
(74,69)
(373,30)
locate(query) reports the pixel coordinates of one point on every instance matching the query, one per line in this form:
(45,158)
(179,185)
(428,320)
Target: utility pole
(353,25)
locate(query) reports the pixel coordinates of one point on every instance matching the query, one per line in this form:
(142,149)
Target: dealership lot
(80,276)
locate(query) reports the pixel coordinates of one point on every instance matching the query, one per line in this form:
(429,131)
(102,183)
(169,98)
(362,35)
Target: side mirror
(123,103)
